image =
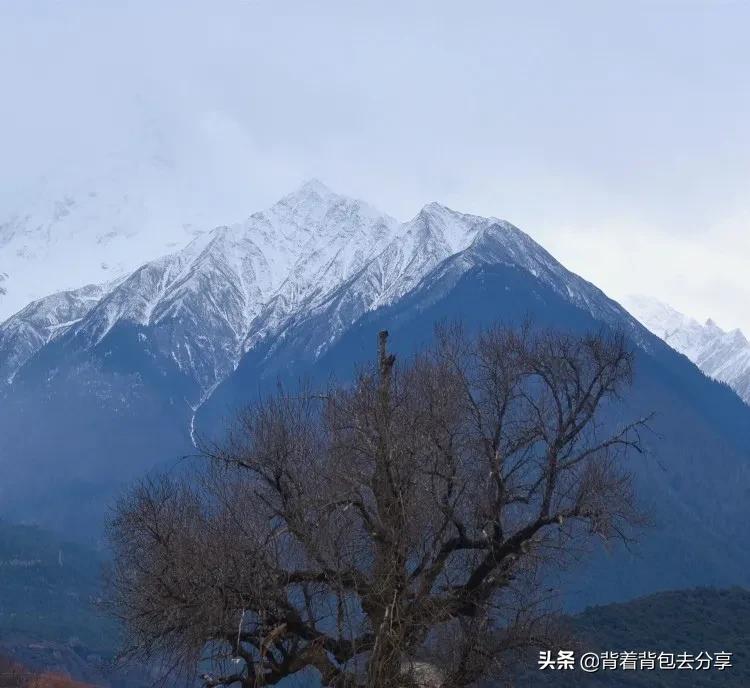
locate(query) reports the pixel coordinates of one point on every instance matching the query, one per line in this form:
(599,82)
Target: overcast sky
(615,133)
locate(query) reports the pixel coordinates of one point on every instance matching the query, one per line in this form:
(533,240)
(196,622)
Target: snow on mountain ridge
(313,251)
(42,321)
(300,248)
(721,355)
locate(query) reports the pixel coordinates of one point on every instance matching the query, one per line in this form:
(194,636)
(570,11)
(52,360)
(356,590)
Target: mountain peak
(435,207)
(450,228)
(314,185)
(313,190)
(442,213)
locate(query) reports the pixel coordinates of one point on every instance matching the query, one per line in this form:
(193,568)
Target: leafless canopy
(396,532)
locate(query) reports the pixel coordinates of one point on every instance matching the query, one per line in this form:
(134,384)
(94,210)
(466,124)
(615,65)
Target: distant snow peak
(720,354)
(312,189)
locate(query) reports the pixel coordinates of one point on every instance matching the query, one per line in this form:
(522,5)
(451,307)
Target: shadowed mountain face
(301,291)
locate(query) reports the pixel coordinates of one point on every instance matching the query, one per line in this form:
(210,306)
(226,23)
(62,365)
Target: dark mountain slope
(77,425)
(50,589)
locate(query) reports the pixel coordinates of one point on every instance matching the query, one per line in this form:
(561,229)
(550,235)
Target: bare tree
(401,531)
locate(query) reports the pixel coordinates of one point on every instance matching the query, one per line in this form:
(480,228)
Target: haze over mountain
(76,228)
(720,354)
(103,384)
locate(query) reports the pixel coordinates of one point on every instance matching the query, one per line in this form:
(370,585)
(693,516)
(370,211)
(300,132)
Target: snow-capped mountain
(722,355)
(312,251)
